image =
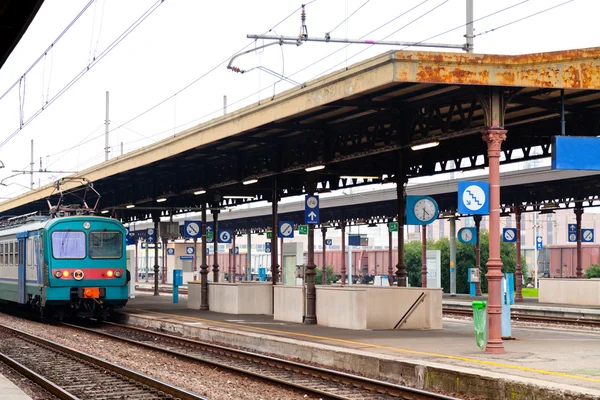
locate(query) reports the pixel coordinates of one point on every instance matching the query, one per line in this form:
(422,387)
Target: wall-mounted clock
(421,210)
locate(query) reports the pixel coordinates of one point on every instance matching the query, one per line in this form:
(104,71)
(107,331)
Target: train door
(22,266)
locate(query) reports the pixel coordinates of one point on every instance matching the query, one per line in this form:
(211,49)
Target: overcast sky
(184,39)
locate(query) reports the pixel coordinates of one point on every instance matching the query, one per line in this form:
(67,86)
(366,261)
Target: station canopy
(368,120)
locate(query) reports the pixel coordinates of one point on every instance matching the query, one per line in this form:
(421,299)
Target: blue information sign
(267,247)
(311,209)
(225,236)
(170,251)
(509,235)
(328,242)
(189,250)
(587,235)
(150,237)
(286,229)
(576,153)
(192,229)
(572,233)
(539,243)
(473,198)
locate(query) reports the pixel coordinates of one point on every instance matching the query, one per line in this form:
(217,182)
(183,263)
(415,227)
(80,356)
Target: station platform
(529,305)
(10,391)
(541,363)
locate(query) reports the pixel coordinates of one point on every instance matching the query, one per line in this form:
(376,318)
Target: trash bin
(480,322)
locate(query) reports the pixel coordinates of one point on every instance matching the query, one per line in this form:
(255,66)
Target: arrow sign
(572,233)
(311,209)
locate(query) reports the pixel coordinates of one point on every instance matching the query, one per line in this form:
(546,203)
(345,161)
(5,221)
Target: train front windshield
(100,245)
(105,244)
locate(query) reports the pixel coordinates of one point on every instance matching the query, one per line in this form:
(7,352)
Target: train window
(29,252)
(13,252)
(1,253)
(68,244)
(106,245)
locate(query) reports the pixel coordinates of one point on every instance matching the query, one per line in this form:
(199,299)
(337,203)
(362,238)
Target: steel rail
(105,369)
(531,317)
(322,381)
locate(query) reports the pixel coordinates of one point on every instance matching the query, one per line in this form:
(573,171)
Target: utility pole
(224,104)
(106,125)
(469,35)
(31,165)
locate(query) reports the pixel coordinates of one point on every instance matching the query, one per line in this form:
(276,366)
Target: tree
(465,259)
(592,272)
(330,275)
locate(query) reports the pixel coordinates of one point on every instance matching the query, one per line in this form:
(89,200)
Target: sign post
(311,209)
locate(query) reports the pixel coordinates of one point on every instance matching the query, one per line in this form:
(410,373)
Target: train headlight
(57,274)
(65,274)
(118,273)
(109,273)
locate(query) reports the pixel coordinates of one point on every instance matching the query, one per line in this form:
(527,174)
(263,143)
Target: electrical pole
(31,164)
(224,104)
(469,35)
(106,125)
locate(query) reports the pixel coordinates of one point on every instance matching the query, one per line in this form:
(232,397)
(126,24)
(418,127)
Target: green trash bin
(480,322)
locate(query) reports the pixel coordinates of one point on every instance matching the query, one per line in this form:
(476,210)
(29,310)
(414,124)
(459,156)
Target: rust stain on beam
(570,69)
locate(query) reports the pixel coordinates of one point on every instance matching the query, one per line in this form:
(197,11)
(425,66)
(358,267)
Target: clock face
(466,235)
(424,210)
(312,202)
(192,229)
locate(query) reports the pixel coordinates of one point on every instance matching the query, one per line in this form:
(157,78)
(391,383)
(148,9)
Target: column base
(310,320)
(494,347)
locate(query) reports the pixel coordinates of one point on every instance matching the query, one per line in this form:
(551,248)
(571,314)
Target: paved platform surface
(10,391)
(564,357)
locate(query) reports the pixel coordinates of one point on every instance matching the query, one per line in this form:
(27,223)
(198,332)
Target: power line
(49,48)
(203,75)
(348,17)
(106,51)
(183,89)
(524,18)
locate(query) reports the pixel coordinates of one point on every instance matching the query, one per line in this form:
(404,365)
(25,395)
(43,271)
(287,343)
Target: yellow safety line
(376,346)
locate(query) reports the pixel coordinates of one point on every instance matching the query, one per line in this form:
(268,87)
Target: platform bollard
(507,298)
(177,281)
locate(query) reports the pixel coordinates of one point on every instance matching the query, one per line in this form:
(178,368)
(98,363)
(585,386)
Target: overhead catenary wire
(348,17)
(524,18)
(106,51)
(50,47)
(185,87)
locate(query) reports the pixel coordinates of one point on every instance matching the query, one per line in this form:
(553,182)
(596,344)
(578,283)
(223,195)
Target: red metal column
(281,260)
(195,266)
(390,250)
(311,292)
(424,256)
(233,257)
(204,266)
(494,139)
(343,270)
(401,266)
(518,269)
(215,214)
(165,241)
(274,231)
(156,218)
(324,267)
(477,219)
(136,261)
(578,213)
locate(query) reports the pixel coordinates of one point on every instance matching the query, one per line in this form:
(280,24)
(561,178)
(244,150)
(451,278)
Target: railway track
(69,374)
(325,382)
(530,317)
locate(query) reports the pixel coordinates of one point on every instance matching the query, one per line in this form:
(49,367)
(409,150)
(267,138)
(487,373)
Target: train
(64,267)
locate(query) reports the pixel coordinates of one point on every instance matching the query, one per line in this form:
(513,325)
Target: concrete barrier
(377,307)
(581,292)
(288,303)
(237,298)
(194,293)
